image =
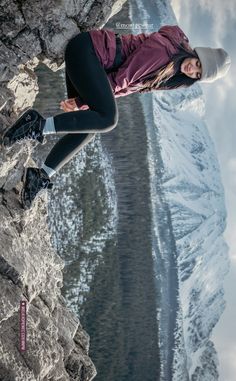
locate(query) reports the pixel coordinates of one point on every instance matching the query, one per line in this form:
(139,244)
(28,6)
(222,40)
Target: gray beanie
(215,63)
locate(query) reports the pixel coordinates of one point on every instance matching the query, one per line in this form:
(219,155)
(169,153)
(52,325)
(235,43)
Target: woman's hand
(68,105)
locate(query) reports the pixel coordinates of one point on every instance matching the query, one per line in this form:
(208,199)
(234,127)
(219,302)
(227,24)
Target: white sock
(49,127)
(50,172)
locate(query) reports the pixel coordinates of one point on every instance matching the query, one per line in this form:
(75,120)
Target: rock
(57,348)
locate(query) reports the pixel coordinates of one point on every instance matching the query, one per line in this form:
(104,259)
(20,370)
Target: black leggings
(86,78)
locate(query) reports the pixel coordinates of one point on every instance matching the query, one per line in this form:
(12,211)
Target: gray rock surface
(57,347)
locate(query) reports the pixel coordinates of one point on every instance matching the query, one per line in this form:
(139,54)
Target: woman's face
(191,67)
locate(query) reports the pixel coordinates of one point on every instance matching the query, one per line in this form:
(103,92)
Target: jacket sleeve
(134,69)
(128,73)
(120,86)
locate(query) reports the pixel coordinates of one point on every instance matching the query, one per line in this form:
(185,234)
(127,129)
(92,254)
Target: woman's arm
(139,65)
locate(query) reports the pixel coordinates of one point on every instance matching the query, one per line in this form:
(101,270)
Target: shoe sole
(5,141)
(13,126)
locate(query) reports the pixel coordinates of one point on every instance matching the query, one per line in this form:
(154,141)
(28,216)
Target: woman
(100,66)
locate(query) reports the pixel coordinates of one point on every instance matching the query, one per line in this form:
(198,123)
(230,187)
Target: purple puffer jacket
(142,54)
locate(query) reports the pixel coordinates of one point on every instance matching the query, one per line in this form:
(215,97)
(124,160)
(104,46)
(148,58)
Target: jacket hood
(176,38)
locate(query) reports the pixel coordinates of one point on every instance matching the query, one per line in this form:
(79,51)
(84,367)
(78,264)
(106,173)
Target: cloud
(222,13)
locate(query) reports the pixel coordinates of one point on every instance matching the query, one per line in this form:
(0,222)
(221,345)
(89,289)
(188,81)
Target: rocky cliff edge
(30,271)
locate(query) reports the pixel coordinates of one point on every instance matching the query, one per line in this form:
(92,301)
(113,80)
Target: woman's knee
(78,41)
(110,121)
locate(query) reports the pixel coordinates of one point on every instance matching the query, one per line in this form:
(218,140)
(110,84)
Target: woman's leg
(68,145)
(71,91)
(89,79)
(84,77)
(64,150)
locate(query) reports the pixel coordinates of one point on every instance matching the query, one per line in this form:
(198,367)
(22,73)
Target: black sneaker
(35,180)
(29,126)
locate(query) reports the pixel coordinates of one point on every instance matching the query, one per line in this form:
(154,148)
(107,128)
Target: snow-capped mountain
(192,188)
(189,219)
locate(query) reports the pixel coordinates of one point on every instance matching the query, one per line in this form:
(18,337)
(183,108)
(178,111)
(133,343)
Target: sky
(212,23)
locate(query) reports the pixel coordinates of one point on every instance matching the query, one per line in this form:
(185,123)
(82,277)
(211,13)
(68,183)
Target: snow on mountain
(194,192)
(183,162)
